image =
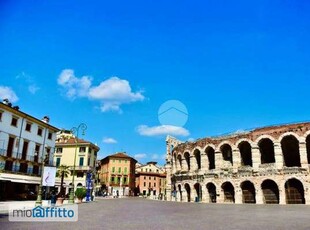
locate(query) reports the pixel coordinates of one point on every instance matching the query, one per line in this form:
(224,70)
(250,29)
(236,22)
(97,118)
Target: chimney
(46,119)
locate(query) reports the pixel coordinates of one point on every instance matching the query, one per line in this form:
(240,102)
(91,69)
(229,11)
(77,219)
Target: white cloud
(144,130)
(33,89)
(111,93)
(28,80)
(75,87)
(8,93)
(155,157)
(191,139)
(109,140)
(140,156)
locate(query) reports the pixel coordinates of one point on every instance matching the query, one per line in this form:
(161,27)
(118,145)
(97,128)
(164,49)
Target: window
(149,178)
(79,174)
(89,150)
(58,161)
(125,180)
(154,184)
(88,161)
(125,161)
(150,170)
(113,169)
(28,127)
(119,170)
(157,170)
(154,178)
(82,149)
(119,161)
(50,135)
(40,130)
(149,184)
(112,179)
(14,121)
(113,160)
(145,178)
(125,170)
(58,150)
(144,184)
(1,115)
(81,161)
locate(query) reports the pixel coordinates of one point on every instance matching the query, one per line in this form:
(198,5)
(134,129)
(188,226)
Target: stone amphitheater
(268,165)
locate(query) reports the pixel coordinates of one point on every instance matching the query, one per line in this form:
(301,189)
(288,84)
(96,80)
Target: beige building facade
(150,180)
(268,165)
(67,148)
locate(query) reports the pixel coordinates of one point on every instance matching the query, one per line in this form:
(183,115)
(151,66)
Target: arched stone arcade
(270,165)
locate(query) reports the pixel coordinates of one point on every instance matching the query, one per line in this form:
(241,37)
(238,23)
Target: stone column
(256,158)
(238,195)
(236,159)
(307,193)
(168,181)
(193,193)
(194,165)
(278,155)
(219,195)
(259,195)
(303,154)
(282,199)
(204,162)
(204,193)
(218,159)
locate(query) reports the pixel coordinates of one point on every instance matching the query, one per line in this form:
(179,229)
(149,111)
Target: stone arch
(179,160)
(212,192)
(270,192)
(197,155)
(266,148)
(248,192)
(294,191)
(290,150)
(229,192)
(226,151)
(245,153)
(187,160)
(188,192)
(211,157)
(198,190)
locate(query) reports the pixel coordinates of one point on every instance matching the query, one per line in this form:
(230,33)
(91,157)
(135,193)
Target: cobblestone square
(139,213)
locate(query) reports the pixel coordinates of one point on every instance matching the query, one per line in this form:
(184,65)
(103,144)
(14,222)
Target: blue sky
(235,65)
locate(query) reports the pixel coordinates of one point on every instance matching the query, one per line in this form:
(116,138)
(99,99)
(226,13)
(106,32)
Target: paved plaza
(139,213)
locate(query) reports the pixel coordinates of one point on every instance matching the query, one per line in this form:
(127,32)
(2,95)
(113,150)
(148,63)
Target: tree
(62,172)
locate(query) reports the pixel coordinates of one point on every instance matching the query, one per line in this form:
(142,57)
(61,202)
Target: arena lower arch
(268,165)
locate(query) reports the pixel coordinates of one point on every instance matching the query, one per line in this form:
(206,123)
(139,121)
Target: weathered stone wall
(278,176)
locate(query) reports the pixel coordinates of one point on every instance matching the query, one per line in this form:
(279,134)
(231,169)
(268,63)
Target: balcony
(82,168)
(3,152)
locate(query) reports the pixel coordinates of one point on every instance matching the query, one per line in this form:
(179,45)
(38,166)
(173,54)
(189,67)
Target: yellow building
(117,174)
(67,145)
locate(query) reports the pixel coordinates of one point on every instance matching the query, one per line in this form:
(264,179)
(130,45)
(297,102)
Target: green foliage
(80,193)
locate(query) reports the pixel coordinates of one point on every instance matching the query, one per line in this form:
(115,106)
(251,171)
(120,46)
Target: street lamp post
(75,131)
(39,197)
